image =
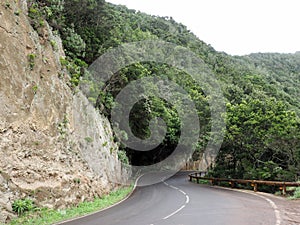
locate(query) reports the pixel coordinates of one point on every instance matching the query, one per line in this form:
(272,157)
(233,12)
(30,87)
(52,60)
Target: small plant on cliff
(7,5)
(54,45)
(17,13)
(62,127)
(20,206)
(88,139)
(34,89)
(123,157)
(31,58)
(36,17)
(76,180)
(75,67)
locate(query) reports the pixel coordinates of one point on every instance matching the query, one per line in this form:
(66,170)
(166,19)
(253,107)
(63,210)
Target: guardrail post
(255,187)
(284,189)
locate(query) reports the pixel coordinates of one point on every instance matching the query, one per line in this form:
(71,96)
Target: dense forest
(262,137)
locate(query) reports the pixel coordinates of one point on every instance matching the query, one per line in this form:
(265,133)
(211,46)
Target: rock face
(54,147)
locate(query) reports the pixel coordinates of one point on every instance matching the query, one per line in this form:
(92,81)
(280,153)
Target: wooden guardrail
(254,183)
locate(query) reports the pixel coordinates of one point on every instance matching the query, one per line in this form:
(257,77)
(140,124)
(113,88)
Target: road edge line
(271,203)
(117,203)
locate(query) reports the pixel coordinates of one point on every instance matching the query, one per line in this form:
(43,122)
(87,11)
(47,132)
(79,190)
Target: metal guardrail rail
(254,183)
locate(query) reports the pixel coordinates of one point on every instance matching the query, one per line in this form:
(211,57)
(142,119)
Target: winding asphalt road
(180,202)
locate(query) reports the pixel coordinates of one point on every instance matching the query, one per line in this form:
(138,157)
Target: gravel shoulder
(289,209)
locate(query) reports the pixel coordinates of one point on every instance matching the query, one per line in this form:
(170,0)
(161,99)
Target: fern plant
(20,206)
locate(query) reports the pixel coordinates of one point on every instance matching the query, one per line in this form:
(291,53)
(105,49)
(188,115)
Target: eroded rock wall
(46,132)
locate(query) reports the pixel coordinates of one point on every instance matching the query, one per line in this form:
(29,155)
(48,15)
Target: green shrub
(53,8)
(36,17)
(75,68)
(21,206)
(296,193)
(54,45)
(73,43)
(123,157)
(204,181)
(63,61)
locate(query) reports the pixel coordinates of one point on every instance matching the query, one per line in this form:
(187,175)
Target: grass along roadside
(51,216)
(296,193)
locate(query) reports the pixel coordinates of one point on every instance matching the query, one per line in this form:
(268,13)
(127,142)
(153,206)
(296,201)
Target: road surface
(180,202)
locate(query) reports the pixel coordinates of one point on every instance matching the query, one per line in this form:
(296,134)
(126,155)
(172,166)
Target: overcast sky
(236,27)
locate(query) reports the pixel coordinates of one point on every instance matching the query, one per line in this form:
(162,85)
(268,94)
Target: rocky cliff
(48,134)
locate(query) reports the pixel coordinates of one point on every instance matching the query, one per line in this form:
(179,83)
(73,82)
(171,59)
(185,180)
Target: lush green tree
(256,143)
(261,90)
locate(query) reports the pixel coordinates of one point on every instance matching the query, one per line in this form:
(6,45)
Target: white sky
(236,27)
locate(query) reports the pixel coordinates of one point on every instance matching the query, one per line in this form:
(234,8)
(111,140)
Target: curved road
(180,202)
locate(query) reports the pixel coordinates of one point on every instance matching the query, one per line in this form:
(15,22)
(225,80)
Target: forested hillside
(262,139)
(282,71)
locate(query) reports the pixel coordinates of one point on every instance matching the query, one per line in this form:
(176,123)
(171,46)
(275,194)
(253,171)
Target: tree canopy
(261,90)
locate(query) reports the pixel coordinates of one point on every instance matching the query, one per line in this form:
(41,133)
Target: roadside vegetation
(296,193)
(30,214)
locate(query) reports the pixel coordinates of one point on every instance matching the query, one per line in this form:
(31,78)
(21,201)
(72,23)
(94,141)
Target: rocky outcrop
(54,147)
